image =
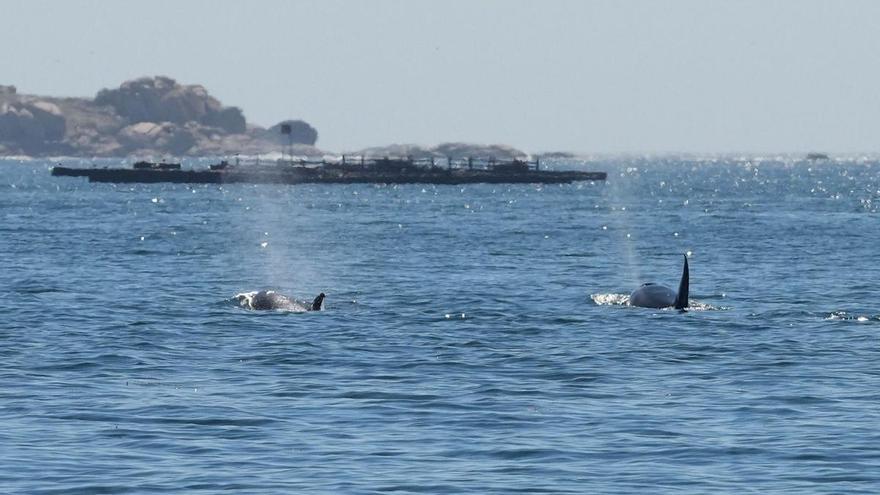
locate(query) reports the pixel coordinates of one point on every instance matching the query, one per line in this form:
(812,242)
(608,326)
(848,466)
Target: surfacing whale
(653,295)
(269,299)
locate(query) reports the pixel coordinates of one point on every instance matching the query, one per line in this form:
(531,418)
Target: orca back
(659,296)
(652,295)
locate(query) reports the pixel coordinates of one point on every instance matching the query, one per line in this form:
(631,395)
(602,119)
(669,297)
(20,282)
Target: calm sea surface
(474,338)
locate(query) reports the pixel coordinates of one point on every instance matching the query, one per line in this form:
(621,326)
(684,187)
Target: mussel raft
(380,170)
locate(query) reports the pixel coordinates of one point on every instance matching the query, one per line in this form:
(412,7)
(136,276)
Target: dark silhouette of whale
(651,295)
(269,299)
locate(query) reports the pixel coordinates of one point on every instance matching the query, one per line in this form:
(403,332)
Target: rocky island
(145,116)
(159,117)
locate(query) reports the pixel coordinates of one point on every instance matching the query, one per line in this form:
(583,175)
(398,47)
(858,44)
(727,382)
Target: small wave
(579,255)
(610,299)
(38,290)
(35,286)
(844,316)
(138,419)
(70,366)
(145,252)
(623,300)
(694,305)
(455,316)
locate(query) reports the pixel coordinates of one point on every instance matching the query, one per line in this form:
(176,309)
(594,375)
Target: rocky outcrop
(162,99)
(443,150)
(31,124)
(498,151)
(145,116)
(300,132)
(144,136)
(159,117)
(557,155)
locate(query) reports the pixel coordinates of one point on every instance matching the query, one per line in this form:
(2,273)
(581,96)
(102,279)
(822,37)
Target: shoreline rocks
(144,116)
(159,117)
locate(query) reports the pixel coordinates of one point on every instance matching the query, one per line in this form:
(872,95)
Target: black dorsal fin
(681,299)
(318,303)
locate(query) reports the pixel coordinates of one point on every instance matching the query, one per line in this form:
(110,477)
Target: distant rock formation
(300,133)
(176,139)
(145,116)
(162,99)
(31,123)
(443,150)
(159,117)
(557,155)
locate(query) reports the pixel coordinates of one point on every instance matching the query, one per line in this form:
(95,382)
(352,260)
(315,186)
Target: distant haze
(585,76)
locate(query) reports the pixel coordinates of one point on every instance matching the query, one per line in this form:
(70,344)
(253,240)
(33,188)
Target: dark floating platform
(361,171)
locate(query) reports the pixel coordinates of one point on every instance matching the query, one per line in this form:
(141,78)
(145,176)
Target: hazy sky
(588,76)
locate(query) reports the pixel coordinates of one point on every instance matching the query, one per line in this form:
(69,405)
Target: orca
(269,299)
(651,295)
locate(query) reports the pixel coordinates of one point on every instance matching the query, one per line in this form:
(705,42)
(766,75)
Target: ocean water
(475,338)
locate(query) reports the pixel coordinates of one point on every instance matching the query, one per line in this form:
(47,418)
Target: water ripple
(463,350)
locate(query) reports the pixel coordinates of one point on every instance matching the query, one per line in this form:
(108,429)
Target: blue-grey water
(474,338)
